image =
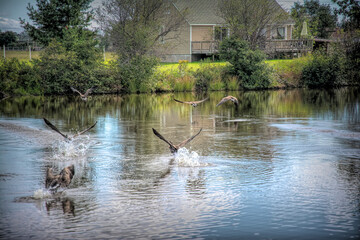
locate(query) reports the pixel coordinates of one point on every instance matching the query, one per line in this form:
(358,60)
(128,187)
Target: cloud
(8,24)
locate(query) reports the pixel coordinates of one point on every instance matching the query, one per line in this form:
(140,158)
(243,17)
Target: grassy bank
(178,77)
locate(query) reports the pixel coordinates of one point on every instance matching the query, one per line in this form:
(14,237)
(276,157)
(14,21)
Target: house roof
(205,11)
(200,11)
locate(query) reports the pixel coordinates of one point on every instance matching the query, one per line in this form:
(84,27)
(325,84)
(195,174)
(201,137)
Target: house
(203,29)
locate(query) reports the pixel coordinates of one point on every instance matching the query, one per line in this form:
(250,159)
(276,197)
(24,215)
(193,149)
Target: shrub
(247,64)
(19,78)
(59,69)
(323,71)
(352,65)
(136,75)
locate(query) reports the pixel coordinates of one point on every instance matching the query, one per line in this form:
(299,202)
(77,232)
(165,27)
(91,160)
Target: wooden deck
(204,47)
(288,46)
(270,47)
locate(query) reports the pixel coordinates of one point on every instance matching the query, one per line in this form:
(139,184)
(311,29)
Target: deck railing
(298,45)
(270,46)
(204,47)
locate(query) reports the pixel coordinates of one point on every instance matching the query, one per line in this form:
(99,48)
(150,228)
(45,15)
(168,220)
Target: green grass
(191,66)
(21,55)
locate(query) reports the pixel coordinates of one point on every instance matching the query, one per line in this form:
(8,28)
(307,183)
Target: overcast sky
(12,10)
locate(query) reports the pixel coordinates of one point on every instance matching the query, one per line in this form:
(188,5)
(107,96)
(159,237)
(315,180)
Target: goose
(192,103)
(63,179)
(85,95)
(175,148)
(231,98)
(69,138)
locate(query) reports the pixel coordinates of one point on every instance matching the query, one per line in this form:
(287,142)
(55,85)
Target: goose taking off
(64,135)
(175,148)
(193,103)
(231,98)
(53,182)
(86,94)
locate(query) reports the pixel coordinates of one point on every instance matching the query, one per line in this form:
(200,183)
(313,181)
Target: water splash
(71,149)
(40,194)
(185,158)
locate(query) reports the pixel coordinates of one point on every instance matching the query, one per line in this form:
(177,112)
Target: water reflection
(281,165)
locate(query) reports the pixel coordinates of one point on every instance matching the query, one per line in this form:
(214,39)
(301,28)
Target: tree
(52,17)
(137,27)
(350,9)
(320,18)
(7,37)
(248,19)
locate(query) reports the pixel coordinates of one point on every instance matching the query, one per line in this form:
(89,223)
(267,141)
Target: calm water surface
(284,165)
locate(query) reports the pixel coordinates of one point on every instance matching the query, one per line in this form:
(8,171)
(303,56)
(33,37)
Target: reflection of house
(203,29)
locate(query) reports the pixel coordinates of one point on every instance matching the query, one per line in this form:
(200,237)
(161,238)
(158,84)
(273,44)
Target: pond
(284,164)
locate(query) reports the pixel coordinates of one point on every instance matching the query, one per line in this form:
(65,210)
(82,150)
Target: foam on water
(40,194)
(186,158)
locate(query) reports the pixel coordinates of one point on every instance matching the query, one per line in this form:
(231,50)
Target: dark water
(284,165)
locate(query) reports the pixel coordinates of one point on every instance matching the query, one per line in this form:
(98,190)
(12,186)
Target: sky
(12,10)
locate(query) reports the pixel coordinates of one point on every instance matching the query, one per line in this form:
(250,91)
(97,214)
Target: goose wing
(182,101)
(225,99)
(162,138)
(49,177)
(55,128)
(200,101)
(182,144)
(74,90)
(84,131)
(89,91)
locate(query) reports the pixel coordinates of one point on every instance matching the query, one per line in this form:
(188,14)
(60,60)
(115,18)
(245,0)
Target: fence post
(30,52)
(104,53)
(4,51)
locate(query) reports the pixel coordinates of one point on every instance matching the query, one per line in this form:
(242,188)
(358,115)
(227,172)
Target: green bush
(59,69)
(247,64)
(136,75)
(19,78)
(323,71)
(352,65)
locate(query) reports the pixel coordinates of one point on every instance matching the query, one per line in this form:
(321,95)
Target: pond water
(285,164)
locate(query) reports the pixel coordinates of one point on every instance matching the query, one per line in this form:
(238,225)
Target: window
(280,33)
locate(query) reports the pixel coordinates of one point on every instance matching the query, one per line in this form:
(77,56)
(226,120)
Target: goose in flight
(85,95)
(63,179)
(193,103)
(175,148)
(231,98)
(69,138)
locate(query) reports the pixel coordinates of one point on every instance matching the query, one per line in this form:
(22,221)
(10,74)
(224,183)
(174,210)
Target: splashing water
(71,149)
(40,194)
(185,158)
